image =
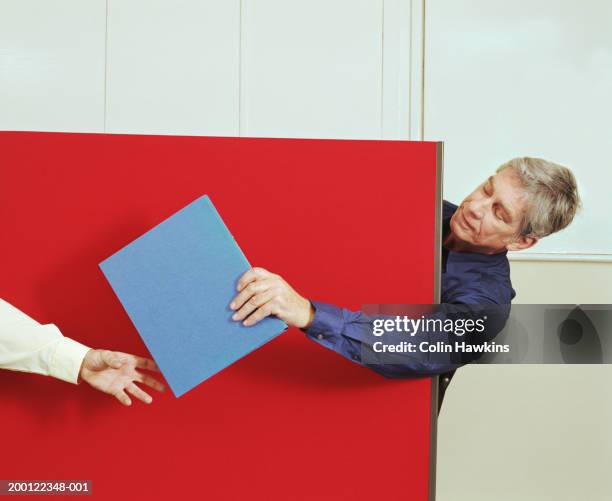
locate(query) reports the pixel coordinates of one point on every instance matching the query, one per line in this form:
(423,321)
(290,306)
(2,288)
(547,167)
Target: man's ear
(522,243)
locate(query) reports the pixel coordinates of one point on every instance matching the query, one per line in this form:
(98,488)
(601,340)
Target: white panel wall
(335,68)
(506,79)
(173,67)
(304,77)
(402,69)
(52,65)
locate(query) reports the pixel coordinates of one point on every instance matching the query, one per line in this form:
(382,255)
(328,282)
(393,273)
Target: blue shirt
(473,285)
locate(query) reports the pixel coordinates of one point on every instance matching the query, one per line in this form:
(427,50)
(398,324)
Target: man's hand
(262,293)
(115,373)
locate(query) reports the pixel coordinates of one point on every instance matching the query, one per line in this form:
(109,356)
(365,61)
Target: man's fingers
(245,279)
(150,381)
(141,395)
(146,363)
(252,304)
(248,292)
(123,398)
(259,314)
(250,276)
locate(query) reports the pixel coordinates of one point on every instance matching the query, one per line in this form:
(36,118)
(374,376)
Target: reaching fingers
(123,398)
(253,288)
(253,303)
(150,381)
(146,363)
(250,276)
(141,395)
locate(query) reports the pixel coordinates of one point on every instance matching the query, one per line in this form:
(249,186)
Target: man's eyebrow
(504,207)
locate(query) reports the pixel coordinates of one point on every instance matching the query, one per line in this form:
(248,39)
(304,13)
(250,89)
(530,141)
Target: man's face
(489,218)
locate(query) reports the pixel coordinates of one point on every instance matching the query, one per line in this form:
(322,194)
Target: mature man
(526,200)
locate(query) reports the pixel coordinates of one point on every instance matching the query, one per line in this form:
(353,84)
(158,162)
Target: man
(27,346)
(526,200)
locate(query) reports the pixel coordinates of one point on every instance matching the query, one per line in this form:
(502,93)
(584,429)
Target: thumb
(111,359)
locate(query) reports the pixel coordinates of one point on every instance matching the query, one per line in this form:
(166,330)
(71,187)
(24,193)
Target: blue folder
(176,282)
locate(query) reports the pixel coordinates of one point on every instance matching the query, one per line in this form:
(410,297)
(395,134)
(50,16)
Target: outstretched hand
(116,373)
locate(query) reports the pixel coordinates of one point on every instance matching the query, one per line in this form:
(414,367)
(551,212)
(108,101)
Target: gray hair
(553,195)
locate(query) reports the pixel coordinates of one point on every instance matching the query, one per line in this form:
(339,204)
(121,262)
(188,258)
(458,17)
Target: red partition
(346,222)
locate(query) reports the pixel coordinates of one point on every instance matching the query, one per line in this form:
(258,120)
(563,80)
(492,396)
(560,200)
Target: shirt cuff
(328,319)
(67,360)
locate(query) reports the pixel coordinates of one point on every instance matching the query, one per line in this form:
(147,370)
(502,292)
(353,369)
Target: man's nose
(476,209)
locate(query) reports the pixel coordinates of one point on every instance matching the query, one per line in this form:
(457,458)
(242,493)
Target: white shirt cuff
(66,361)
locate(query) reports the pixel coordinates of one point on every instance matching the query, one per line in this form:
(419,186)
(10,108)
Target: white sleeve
(26,345)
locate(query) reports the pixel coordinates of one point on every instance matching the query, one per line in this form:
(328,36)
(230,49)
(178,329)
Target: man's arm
(27,346)
(350,333)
